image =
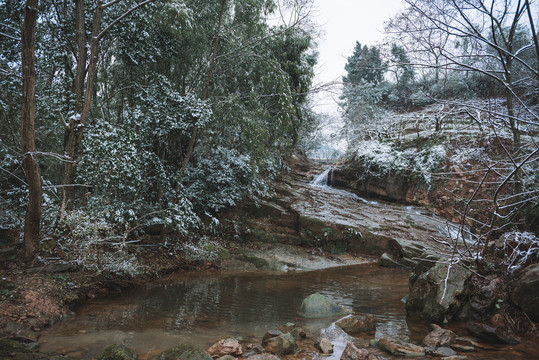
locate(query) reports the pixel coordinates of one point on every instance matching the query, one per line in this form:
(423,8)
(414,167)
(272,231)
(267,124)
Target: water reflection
(200,309)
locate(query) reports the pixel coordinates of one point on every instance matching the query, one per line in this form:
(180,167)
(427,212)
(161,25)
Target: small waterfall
(324,179)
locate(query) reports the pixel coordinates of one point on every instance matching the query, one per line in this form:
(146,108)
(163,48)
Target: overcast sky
(344,22)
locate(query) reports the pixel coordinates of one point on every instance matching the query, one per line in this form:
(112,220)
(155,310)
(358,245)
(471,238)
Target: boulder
(439,337)
(325,346)
(488,293)
(319,306)
(351,352)
(225,347)
(117,352)
(399,347)
(436,294)
(492,333)
(525,293)
(183,352)
(280,345)
(357,323)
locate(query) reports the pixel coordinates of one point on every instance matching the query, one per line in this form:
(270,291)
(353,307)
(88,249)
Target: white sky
(344,22)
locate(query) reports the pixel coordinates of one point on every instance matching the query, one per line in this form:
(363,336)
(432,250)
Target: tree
(362,92)
(365,65)
(31,168)
(401,68)
(83,86)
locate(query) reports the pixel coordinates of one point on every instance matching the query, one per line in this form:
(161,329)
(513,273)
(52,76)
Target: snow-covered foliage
(13,194)
(202,250)
(379,159)
(222,177)
(129,181)
(83,237)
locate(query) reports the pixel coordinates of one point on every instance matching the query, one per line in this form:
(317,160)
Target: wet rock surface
(399,347)
(225,347)
(357,323)
(351,352)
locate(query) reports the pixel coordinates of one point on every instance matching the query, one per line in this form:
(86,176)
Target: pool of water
(202,308)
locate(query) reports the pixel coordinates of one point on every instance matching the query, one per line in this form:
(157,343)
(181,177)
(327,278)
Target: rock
(525,292)
(444,352)
(357,323)
(351,352)
(227,357)
(492,333)
(225,347)
(319,306)
(270,334)
(488,293)
(263,357)
(281,345)
(325,346)
(33,346)
(431,300)
(439,337)
(399,347)
(298,333)
(463,348)
(183,352)
(410,248)
(117,352)
(389,261)
(456,357)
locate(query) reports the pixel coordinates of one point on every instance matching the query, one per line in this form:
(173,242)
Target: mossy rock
(183,352)
(117,352)
(319,306)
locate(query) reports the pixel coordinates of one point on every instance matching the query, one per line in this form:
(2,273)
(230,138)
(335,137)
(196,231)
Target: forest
(142,128)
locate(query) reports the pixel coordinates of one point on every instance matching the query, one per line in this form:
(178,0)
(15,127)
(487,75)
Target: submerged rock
(436,294)
(319,306)
(400,348)
(117,352)
(351,352)
(357,323)
(184,352)
(225,347)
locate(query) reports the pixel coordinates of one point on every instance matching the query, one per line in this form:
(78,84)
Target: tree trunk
(75,128)
(191,145)
(31,168)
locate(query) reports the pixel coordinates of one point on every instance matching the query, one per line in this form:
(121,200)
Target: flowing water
(202,308)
